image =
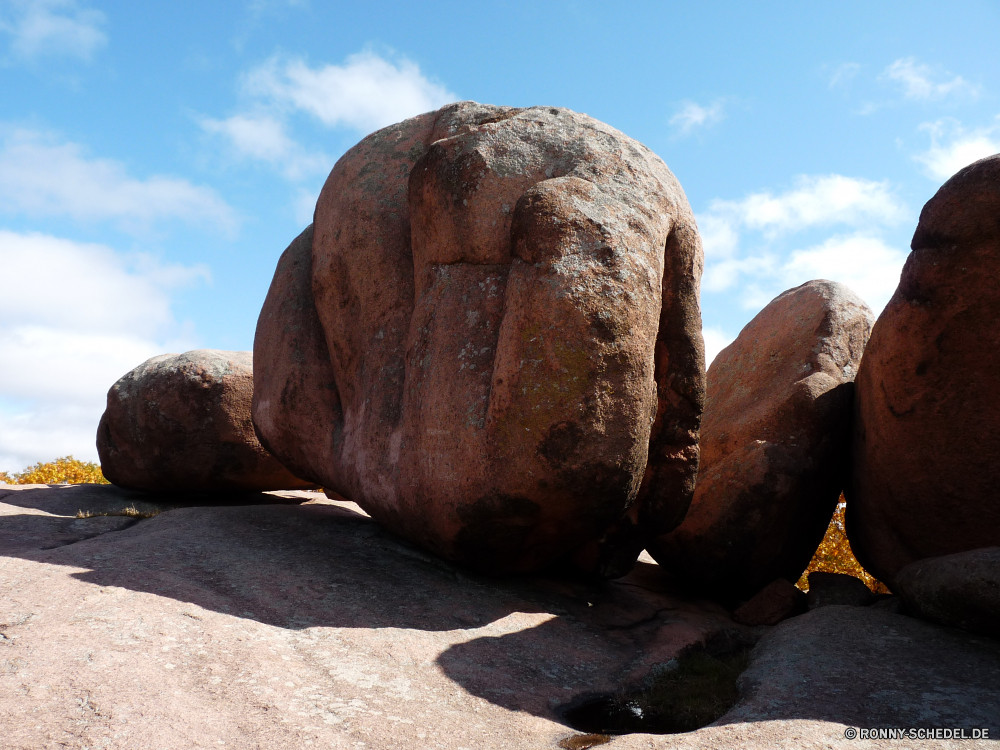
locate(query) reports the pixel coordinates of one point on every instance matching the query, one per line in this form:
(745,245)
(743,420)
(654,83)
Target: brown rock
(777,601)
(837,588)
(495,346)
(960,590)
(926,432)
(773,443)
(181,422)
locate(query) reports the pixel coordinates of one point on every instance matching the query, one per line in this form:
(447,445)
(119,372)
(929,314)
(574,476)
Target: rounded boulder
(774,444)
(492,342)
(181,422)
(927,417)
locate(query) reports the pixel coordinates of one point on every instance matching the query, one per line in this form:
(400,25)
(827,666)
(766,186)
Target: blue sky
(156,158)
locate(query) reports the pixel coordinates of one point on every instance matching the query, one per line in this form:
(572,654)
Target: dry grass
(834,555)
(129,512)
(66,470)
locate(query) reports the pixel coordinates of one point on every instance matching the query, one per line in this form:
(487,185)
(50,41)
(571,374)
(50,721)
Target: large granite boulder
(926,430)
(492,341)
(960,590)
(773,444)
(181,422)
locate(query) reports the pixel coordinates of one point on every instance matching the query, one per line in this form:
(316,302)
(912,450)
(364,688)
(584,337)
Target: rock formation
(960,590)
(492,342)
(181,422)
(773,444)
(926,431)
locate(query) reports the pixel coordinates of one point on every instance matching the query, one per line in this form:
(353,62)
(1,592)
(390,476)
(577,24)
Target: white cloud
(51,27)
(367,92)
(264,138)
(865,263)
(692,115)
(918,81)
(746,241)
(715,341)
(816,201)
(953,147)
(42,177)
(75,318)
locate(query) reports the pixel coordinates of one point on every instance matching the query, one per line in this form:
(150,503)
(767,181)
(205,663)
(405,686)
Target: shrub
(66,470)
(834,555)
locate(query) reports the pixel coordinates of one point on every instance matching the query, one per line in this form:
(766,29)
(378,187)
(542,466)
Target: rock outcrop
(181,422)
(960,590)
(774,444)
(492,342)
(927,432)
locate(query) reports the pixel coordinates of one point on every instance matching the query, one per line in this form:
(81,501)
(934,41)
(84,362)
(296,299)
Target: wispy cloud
(51,27)
(844,73)
(264,138)
(954,147)
(42,176)
(365,93)
(921,82)
(80,318)
(742,249)
(691,116)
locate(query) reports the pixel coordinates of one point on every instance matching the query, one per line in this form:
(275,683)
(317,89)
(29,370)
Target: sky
(156,158)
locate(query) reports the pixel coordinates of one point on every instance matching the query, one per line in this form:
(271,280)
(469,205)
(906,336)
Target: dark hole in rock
(691,691)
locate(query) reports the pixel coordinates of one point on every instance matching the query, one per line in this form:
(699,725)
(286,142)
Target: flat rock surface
(304,624)
(296,625)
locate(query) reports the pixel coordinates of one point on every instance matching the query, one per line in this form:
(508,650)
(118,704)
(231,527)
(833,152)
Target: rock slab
(960,590)
(774,444)
(294,624)
(490,338)
(181,422)
(926,430)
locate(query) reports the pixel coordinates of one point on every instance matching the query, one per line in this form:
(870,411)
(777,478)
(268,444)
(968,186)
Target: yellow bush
(63,470)
(834,555)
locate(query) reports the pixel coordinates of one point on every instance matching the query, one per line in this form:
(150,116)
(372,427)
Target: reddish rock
(182,422)
(495,346)
(777,601)
(773,443)
(961,590)
(926,430)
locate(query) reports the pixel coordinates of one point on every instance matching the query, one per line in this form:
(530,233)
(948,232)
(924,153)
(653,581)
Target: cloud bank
(74,317)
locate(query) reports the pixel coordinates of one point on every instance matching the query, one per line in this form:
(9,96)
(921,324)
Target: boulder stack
(773,444)
(181,422)
(492,340)
(927,416)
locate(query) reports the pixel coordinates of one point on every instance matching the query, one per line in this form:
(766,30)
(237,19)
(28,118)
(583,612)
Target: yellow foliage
(63,470)
(834,555)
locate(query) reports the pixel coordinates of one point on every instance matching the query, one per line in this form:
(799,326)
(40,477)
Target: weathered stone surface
(961,590)
(777,601)
(276,626)
(926,433)
(773,443)
(859,667)
(494,345)
(826,589)
(181,422)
